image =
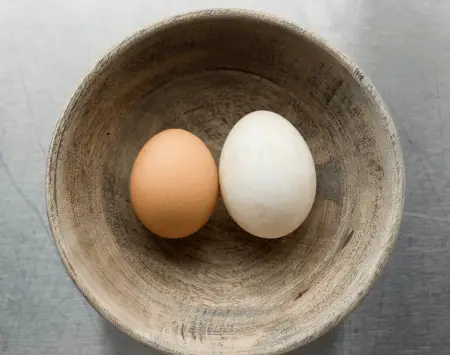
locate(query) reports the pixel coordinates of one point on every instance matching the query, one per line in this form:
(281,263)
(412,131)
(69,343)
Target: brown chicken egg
(174,184)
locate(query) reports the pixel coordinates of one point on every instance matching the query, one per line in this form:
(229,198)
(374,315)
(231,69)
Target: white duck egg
(267,175)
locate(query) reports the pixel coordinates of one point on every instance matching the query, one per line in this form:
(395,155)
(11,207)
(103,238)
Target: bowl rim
(298,339)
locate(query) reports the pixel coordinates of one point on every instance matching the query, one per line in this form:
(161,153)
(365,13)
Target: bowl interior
(222,291)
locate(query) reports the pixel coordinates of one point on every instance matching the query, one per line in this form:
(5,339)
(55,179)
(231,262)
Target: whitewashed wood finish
(222,291)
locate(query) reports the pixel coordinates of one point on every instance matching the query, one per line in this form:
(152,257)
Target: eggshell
(267,175)
(174,184)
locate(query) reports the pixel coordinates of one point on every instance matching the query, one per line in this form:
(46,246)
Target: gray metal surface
(46,47)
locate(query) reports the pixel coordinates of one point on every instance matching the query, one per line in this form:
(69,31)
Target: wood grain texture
(223,291)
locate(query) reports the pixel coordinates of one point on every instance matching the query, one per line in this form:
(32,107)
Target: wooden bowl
(222,291)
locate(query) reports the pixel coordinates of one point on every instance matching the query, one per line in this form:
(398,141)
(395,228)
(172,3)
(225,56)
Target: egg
(174,184)
(267,175)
